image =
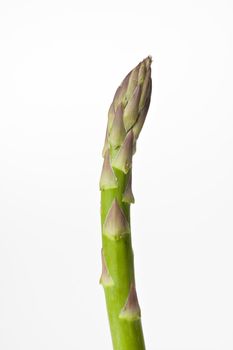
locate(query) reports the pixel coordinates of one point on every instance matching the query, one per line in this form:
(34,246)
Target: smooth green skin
(126,334)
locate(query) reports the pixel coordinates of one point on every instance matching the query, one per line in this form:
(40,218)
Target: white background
(60,64)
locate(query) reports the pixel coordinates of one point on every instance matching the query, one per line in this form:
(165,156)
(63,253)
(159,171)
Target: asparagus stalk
(126,116)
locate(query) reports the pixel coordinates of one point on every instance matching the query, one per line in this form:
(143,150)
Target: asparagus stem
(125,120)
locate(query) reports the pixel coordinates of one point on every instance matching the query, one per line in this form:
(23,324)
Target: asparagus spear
(126,116)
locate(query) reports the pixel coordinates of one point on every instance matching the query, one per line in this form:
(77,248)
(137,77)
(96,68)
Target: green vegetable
(126,117)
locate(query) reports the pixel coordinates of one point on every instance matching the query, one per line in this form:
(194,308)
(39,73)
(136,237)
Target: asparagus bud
(126,117)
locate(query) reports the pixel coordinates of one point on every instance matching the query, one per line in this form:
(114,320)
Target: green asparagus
(126,117)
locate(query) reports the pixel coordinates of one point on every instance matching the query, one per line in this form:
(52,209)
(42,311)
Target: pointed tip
(108,179)
(120,95)
(131,310)
(146,89)
(133,82)
(148,61)
(123,159)
(128,196)
(111,116)
(141,119)
(142,72)
(105,279)
(116,225)
(117,133)
(131,110)
(105,148)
